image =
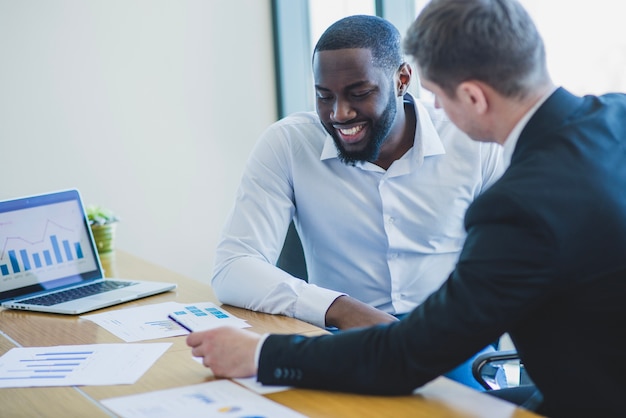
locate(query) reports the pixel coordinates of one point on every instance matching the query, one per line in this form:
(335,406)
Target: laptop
(49,260)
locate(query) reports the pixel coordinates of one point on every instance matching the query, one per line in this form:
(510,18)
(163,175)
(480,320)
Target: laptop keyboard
(77,293)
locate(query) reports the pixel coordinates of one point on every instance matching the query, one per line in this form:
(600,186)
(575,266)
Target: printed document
(75,365)
(218,398)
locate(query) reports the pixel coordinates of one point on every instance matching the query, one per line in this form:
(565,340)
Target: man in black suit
(545,255)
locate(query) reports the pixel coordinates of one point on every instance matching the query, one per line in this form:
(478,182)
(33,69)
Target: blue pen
(178,322)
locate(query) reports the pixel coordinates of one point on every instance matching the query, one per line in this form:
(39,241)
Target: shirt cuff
(313,303)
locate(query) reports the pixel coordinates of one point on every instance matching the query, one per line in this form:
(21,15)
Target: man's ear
(404,75)
(472,94)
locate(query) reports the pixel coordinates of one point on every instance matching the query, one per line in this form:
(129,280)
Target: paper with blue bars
(203,316)
(77,365)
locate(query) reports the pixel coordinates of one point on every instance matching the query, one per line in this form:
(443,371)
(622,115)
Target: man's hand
(346,312)
(228,351)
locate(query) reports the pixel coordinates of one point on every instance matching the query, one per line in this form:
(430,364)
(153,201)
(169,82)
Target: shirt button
(392,220)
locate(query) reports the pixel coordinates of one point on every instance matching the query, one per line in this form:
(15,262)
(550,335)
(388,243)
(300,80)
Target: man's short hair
(367,32)
(493,41)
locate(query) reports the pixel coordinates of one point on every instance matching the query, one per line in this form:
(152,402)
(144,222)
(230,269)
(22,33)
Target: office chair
(503,375)
(500,370)
(291,258)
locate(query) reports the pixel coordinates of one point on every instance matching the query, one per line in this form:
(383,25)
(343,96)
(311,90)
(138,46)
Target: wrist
(257,352)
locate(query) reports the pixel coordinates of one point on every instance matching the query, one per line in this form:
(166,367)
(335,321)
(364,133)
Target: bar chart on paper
(48,364)
(78,364)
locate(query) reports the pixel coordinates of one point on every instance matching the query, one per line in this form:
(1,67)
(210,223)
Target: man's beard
(379,131)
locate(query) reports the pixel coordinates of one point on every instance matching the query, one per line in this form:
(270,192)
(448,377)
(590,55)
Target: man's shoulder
(446,130)
(299,132)
(452,138)
(299,119)
(296,128)
(436,115)
(459,149)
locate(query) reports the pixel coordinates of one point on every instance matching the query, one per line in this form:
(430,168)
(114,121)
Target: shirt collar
(511,140)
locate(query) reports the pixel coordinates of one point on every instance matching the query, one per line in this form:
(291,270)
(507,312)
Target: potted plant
(103,223)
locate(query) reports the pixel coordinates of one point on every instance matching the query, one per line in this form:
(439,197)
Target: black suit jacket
(544,259)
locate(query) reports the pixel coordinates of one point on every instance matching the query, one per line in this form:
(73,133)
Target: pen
(179,323)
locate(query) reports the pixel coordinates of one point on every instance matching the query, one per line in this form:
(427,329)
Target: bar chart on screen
(59,251)
(32,247)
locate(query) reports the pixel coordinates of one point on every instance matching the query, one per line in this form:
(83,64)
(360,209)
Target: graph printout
(76,365)
(219,398)
(139,323)
(203,316)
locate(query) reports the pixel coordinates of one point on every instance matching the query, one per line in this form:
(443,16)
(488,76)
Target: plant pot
(104,236)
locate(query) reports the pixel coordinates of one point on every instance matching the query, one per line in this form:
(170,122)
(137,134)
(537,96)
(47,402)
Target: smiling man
(377,192)
(379,134)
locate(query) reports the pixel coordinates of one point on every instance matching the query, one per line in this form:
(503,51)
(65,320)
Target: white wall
(149,107)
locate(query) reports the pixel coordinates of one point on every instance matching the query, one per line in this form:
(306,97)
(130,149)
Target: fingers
(205,343)
(195,338)
(197,351)
(198,341)
(229,352)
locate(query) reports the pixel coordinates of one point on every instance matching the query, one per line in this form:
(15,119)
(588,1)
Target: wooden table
(441,398)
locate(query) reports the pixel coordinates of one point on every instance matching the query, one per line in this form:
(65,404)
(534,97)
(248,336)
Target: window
(585,42)
(323,13)
(297,26)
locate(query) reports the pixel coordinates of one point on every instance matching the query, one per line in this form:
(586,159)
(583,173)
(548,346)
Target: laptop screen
(45,243)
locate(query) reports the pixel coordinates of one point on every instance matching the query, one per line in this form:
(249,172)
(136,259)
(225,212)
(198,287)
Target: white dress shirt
(386,237)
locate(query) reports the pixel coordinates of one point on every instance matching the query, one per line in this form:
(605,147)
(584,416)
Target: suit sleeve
(492,289)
